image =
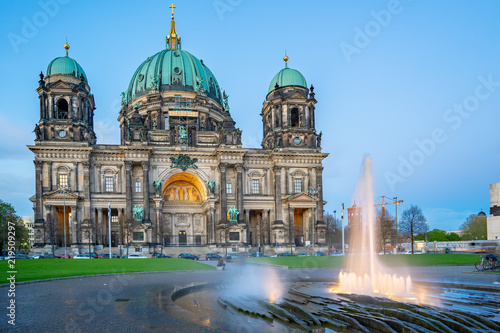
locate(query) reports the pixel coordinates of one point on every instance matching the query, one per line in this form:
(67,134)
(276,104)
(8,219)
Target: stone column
(74,186)
(74,225)
(277,191)
(120,226)
(145,190)
(287,179)
(319,184)
(86,190)
(99,228)
(291,224)
(39,193)
(267,229)
(49,176)
(70,107)
(223,192)
(98,178)
(266,182)
(308,179)
(128,190)
(51,107)
(239,190)
(247,222)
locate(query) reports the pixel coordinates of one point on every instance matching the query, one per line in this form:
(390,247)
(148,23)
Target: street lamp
(397,204)
(64,189)
(335,221)
(426,233)
(343,244)
(313,193)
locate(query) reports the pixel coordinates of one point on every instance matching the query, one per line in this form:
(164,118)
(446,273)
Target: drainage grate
(122,299)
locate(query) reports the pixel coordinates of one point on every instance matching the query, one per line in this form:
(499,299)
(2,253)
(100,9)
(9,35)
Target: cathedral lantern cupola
(288,112)
(173,40)
(66,104)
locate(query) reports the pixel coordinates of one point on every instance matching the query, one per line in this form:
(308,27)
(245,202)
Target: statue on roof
(225,97)
(182,135)
(211,186)
(157,186)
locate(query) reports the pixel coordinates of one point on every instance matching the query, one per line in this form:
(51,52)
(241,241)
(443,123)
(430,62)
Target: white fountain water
(258,281)
(365,274)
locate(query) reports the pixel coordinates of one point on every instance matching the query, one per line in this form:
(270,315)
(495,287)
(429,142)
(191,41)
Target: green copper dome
(287,77)
(173,69)
(66,66)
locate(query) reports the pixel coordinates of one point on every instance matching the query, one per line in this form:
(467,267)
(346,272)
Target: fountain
(367,298)
(365,274)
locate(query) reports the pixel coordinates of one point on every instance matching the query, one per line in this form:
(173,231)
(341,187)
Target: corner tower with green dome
(288,112)
(66,104)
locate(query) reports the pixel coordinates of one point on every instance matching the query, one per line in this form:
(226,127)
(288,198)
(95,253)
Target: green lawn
(36,269)
(389,260)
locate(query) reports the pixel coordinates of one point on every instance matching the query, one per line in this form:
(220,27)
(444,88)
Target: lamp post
(313,193)
(335,220)
(397,204)
(64,189)
(109,228)
(343,245)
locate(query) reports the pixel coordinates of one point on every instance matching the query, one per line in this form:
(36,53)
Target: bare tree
(333,231)
(412,222)
(128,229)
(386,227)
(88,230)
(51,227)
(163,231)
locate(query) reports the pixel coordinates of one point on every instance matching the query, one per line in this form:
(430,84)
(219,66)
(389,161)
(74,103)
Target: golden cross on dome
(172,6)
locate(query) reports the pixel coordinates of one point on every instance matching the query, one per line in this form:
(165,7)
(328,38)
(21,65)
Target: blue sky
(415,84)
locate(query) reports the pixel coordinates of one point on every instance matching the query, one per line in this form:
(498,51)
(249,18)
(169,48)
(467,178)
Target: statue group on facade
(233,214)
(138,213)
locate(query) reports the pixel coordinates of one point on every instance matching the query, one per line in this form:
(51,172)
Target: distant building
(493,224)
(29,222)
(458,232)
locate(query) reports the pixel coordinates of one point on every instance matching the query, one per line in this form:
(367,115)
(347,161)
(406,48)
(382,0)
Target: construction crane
(397,202)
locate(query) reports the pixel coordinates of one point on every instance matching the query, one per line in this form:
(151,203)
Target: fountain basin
(314,306)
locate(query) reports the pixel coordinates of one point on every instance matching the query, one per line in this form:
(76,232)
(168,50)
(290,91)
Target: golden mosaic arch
(184,187)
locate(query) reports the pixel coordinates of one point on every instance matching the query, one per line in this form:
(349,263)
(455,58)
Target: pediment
(60,85)
(297,95)
(56,195)
(300,197)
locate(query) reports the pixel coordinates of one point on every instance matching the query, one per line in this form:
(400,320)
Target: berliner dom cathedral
(180,178)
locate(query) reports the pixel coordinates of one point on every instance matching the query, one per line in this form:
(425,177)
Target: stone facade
(493,222)
(179,169)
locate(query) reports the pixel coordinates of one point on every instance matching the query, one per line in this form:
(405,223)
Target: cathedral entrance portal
(182,238)
(298,222)
(183,212)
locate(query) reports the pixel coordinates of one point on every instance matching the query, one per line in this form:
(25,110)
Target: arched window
(62,109)
(294,117)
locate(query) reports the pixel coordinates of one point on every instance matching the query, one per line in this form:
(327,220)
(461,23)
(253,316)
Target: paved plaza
(130,303)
